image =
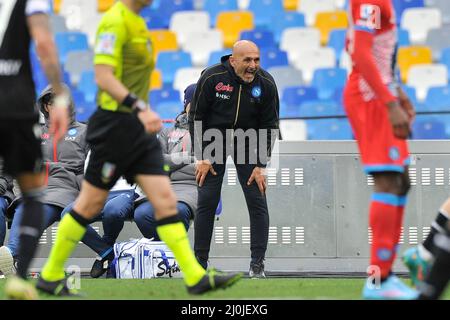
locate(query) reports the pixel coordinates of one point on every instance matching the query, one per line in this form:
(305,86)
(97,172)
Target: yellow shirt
(123,42)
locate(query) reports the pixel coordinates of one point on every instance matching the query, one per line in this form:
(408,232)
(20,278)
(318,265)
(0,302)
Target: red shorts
(380,150)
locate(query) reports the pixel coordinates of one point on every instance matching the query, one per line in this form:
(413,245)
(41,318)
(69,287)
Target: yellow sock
(176,238)
(69,234)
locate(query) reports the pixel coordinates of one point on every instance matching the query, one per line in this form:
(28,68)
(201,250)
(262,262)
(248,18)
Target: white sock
(425,254)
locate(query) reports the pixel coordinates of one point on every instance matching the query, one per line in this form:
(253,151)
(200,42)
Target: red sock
(398,229)
(383,220)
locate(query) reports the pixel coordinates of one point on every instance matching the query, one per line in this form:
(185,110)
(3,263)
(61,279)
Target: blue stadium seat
(285,20)
(88,86)
(338,97)
(78,98)
(214,7)
(264,10)
(83,108)
(295,96)
(438,99)
(292,111)
(429,129)
(327,80)
(411,93)
(85,111)
(170,61)
(337,41)
(263,38)
(70,41)
(155,4)
(329,129)
(171,6)
(40,80)
(273,57)
(403,38)
(215,56)
(154,20)
(157,97)
(402,5)
(318,108)
(169,110)
(445,58)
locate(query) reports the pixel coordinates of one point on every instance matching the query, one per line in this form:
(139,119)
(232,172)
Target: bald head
(245,60)
(243,47)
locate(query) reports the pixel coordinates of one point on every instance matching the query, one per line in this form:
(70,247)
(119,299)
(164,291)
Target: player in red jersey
(381,117)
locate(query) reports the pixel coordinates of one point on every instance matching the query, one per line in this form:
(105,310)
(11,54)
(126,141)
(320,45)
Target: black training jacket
(223,101)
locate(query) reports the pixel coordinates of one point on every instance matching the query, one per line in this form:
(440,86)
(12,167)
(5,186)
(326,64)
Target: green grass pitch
(173,289)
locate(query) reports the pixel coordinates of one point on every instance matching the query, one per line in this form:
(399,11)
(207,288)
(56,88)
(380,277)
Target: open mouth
(250,73)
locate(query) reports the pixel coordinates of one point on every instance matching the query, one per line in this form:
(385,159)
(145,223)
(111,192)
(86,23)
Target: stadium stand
(182,23)
(418,21)
(302,45)
(170,61)
(232,23)
(201,44)
(263,11)
(328,21)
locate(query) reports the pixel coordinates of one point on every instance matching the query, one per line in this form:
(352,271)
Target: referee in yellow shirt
(122,135)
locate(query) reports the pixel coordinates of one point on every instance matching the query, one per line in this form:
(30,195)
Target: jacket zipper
(237,114)
(238,106)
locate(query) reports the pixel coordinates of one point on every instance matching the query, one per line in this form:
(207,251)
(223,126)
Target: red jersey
(371,43)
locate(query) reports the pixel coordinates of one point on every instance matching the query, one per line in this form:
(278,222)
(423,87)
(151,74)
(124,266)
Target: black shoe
(58,288)
(214,280)
(99,267)
(257,270)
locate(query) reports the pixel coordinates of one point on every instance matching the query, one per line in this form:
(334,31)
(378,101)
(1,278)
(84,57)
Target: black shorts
(20,146)
(120,147)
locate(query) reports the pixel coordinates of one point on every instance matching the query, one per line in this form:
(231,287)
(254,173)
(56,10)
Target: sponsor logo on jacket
(220,87)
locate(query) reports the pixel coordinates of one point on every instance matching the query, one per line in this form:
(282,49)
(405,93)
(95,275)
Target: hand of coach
(202,168)
(259,176)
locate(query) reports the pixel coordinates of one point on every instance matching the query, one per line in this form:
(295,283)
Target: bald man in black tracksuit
(235,94)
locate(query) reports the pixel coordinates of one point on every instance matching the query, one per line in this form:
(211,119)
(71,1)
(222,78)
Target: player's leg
(117,210)
(420,258)
(71,230)
(23,159)
(172,231)
(94,241)
(385,157)
(259,220)
(144,217)
(208,199)
(438,278)
(10,253)
(386,218)
(3,207)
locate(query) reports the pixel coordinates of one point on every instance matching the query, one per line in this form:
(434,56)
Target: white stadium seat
(418,21)
(423,76)
(293,130)
(185,22)
(295,40)
(185,77)
(345,62)
(309,60)
(310,8)
(77,12)
(286,77)
(201,44)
